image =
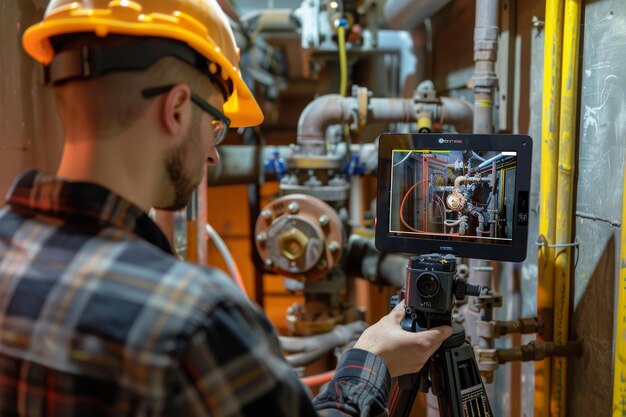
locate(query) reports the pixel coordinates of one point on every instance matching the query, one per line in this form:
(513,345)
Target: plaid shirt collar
(83,204)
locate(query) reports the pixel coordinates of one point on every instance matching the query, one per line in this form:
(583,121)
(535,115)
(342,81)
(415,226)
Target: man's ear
(175,109)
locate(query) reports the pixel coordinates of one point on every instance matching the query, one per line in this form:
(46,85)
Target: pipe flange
(363,98)
(455,201)
(305,243)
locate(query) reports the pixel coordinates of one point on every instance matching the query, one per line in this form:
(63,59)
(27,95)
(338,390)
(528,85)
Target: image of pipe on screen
(466,194)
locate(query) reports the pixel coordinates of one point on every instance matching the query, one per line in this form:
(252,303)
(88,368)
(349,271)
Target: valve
(276,165)
(354,167)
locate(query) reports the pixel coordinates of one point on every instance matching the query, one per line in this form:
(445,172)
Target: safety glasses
(220,122)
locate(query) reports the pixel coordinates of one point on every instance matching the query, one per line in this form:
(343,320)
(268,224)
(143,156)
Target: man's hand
(403,352)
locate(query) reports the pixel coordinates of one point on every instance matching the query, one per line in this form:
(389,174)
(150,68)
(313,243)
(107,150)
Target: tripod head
(431,289)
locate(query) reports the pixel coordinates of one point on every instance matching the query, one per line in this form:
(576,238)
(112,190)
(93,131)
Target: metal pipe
(222,248)
(481,222)
(548,190)
(564,202)
(402,42)
(489,161)
(408,14)
(334,109)
(362,259)
(456,112)
(485,81)
(201,219)
(463,178)
(619,363)
(485,54)
(312,347)
(356,201)
(270,20)
(443,188)
(390,110)
(241,164)
(317,116)
(480,158)
(537,350)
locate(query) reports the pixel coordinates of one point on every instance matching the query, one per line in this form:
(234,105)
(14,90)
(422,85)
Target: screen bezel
(513,252)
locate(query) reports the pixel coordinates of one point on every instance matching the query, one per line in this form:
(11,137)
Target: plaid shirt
(98,318)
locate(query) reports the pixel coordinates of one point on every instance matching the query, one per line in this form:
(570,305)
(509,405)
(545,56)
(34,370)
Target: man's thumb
(397,314)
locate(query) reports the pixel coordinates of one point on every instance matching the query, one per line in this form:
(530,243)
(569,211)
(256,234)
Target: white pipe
(481,222)
(456,222)
(201,217)
(463,178)
(356,201)
(489,161)
(407,14)
(401,41)
(228,257)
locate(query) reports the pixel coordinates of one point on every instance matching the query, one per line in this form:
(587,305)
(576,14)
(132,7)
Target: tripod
(451,373)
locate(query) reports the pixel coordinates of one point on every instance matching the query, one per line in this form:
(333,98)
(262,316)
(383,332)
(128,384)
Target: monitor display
(460,194)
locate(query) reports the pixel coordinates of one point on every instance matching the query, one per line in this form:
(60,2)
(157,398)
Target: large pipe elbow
(317,116)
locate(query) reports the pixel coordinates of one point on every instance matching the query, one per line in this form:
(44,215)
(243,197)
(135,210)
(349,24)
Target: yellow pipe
(343,60)
(564,203)
(619,364)
(547,195)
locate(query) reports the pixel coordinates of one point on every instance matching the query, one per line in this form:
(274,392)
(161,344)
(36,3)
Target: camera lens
(427,285)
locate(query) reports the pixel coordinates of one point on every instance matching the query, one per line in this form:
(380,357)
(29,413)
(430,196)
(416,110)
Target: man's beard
(184,181)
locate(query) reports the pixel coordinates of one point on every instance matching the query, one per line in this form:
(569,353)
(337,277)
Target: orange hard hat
(201,24)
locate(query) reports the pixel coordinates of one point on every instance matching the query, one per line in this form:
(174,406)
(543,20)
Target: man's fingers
(437,335)
(397,314)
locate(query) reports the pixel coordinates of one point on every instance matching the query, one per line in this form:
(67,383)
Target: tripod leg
(401,400)
(457,384)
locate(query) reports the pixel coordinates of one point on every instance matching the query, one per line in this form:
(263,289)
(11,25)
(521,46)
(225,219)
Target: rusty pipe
(538,350)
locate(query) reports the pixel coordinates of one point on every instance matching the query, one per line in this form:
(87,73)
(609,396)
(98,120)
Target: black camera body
(430,282)
(431,288)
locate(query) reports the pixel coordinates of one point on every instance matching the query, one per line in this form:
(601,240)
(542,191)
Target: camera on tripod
(449,195)
(431,289)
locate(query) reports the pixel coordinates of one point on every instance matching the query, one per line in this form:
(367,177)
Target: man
(97,317)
